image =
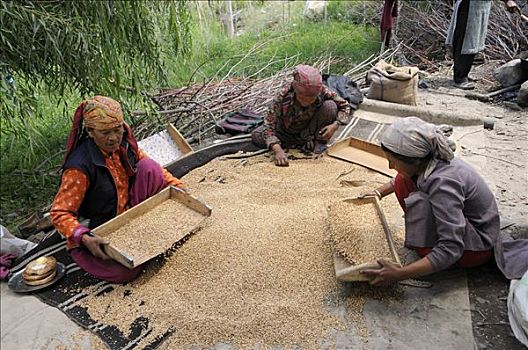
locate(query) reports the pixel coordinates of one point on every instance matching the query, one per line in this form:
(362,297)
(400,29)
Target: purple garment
(454,210)
(108,270)
(147,182)
(5,264)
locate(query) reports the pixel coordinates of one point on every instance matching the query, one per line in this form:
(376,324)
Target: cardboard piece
(363,153)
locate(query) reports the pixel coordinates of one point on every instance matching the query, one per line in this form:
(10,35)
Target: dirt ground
(503,151)
(503,155)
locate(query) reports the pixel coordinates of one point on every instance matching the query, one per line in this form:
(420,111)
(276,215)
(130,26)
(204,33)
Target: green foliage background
(155,45)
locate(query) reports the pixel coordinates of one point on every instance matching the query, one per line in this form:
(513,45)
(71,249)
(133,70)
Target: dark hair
(405,159)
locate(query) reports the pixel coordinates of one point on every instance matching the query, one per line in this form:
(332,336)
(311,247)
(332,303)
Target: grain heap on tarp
(356,233)
(260,273)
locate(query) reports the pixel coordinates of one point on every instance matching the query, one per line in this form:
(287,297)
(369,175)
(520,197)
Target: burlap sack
(393,84)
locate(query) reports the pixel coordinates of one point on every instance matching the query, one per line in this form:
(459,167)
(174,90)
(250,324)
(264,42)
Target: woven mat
(364,129)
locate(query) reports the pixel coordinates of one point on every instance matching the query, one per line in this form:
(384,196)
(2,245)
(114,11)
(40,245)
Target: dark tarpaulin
(345,87)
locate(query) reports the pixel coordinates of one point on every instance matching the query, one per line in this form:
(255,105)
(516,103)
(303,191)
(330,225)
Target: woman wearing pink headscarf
(305,114)
(104,173)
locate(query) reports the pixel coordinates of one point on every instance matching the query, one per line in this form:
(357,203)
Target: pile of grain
(356,232)
(156,230)
(259,274)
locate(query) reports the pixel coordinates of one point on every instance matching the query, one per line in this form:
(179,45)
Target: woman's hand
(279,155)
(379,192)
(367,194)
(328,131)
(389,272)
(93,244)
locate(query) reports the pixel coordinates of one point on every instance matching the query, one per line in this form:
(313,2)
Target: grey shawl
(476,29)
(412,137)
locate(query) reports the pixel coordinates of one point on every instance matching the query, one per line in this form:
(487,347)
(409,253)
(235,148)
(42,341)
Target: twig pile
(194,110)
(422,30)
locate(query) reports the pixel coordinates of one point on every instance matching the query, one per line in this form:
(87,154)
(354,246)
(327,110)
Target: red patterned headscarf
(98,113)
(307,81)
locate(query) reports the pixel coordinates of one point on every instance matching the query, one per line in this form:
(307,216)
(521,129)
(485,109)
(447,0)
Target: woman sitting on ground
(451,216)
(104,174)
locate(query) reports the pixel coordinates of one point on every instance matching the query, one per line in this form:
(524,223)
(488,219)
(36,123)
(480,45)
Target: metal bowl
(16,282)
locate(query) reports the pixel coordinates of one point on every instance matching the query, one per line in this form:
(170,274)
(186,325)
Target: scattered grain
(259,273)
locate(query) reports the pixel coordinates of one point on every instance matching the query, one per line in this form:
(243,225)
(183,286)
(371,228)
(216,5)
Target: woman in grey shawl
(467,35)
(451,217)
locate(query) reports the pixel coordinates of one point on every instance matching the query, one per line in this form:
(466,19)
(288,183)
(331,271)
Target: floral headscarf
(99,113)
(307,80)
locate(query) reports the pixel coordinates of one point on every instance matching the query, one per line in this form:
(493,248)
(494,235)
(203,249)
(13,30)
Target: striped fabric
(74,287)
(366,130)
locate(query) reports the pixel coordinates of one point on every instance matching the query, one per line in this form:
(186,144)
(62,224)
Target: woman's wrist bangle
(377,193)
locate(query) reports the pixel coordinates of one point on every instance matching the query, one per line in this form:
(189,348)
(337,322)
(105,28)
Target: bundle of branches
(422,30)
(195,109)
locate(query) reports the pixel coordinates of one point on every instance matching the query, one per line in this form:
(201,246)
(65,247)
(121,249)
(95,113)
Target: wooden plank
(182,143)
(363,153)
(191,201)
(118,256)
(351,273)
(335,147)
(388,233)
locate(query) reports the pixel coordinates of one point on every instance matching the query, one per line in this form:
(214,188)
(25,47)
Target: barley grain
(259,274)
(155,231)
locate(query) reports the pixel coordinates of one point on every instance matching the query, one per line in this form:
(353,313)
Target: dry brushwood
(422,29)
(195,109)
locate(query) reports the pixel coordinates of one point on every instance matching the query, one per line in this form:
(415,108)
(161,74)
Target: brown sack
(393,84)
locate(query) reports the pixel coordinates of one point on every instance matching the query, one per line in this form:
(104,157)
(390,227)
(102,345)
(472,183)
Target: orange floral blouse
(74,185)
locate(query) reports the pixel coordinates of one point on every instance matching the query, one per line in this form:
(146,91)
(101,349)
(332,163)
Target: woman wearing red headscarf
(304,114)
(104,173)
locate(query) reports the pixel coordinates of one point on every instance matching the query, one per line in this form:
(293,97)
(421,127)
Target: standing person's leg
(462,63)
(148,181)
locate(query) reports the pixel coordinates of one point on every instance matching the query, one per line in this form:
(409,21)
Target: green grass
(29,161)
(303,43)
(28,172)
